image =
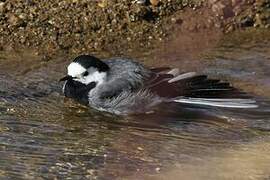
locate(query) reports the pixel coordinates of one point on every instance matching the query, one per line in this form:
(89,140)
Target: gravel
(114,25)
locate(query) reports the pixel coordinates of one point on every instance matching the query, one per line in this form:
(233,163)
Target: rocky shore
(80,26)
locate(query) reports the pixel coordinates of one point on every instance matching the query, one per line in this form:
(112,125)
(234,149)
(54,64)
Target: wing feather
(198,89)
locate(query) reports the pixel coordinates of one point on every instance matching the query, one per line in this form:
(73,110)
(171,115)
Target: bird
(124,86)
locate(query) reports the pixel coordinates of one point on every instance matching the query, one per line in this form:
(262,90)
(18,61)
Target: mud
(78,26)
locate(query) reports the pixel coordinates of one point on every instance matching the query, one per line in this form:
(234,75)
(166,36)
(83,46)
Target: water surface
(45,136)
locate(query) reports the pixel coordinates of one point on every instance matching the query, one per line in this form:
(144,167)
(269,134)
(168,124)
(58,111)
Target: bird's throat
(78,91)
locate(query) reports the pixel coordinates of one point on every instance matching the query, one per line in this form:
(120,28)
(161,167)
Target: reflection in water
(44,135)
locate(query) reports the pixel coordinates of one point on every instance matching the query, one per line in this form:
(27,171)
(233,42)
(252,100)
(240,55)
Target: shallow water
(44,135)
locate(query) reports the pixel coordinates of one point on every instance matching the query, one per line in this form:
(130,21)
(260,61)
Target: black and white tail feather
(190,88)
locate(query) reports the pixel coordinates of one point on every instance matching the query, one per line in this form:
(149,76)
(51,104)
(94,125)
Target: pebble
(139,1)
(11,110)
(103,3)
(13,20)
(154,2)
(173,20)
(2,8)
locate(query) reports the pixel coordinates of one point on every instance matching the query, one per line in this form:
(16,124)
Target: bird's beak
(66,78)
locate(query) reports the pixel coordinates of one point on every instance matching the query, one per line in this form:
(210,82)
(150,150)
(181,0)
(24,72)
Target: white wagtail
(123,86)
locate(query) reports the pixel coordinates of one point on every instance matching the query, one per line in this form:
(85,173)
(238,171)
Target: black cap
(88,61)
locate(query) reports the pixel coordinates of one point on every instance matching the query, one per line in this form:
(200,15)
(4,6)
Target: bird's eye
(85,73)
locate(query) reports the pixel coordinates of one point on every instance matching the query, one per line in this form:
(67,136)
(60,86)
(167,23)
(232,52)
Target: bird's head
(87,69)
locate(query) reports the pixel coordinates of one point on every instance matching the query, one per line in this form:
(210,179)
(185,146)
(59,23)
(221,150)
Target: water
(45,136)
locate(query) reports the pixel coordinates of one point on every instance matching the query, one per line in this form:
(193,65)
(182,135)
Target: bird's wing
(125,75)
(114,88)
(197,89)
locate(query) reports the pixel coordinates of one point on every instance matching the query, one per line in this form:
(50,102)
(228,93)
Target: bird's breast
(78,91)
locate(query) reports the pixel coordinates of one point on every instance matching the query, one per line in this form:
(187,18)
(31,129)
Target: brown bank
(119,26)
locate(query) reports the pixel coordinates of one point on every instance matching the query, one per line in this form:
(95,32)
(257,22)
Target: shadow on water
(44,135)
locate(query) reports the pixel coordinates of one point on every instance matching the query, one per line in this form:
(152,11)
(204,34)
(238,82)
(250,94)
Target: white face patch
(75,69)
(98,77)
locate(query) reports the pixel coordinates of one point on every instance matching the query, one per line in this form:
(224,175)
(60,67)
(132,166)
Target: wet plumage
(124,86)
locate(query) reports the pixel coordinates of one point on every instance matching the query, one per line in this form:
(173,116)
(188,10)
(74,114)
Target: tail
(228,103)
(190,88)
(209,92)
